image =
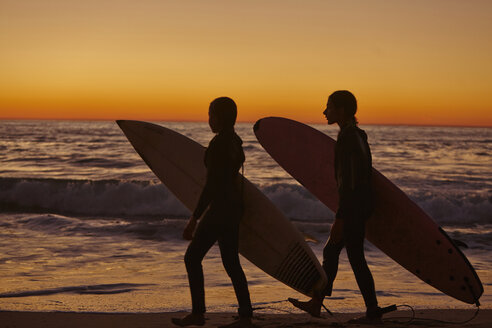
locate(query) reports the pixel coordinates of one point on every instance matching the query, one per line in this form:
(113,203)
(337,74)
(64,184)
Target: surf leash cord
(396,320)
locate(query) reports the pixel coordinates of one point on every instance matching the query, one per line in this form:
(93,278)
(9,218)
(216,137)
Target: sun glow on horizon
(166,60)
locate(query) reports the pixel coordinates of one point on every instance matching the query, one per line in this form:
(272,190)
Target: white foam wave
(114,198)
(457,208)
(101,198)
(297,203)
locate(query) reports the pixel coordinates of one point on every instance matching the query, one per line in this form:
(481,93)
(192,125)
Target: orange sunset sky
(407,62)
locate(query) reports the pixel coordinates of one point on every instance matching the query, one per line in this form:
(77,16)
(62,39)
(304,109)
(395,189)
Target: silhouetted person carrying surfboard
(221,201)
(353,166)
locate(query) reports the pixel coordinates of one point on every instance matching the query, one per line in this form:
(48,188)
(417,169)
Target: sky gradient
(407,62)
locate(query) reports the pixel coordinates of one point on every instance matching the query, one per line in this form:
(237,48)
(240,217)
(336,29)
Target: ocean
(86,226)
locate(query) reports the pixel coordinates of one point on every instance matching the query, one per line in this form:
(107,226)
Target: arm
(216,159)
(355,176)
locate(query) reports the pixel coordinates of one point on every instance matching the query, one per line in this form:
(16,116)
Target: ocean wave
(476,237)
(297,203)
(61,225)
(102,163)
(86,197)
(118,198)
(82,290)
(453,208)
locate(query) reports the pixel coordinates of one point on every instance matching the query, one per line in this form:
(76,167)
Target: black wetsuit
(353,168)
(222,194)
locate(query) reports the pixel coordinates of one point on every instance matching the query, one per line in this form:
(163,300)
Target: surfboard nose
(127,124)
(120,123)
(256,127)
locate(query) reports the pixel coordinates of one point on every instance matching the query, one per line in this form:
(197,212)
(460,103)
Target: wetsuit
(353,168)
(222,194)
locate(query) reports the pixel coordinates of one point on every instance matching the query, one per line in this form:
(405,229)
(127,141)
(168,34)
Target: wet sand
(424,318)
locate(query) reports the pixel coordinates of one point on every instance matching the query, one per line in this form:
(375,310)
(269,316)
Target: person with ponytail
(353,169)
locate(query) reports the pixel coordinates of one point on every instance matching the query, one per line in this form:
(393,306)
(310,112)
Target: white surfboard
(267,238)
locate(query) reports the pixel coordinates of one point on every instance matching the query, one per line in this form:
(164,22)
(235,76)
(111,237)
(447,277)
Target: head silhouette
(222,114)
(343,99)
(341,107)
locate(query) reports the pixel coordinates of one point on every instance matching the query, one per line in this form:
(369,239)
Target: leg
(204,238)
(331,254)
(354,232)
(228,243)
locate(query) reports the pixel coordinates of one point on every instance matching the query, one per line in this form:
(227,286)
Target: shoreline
(423,318)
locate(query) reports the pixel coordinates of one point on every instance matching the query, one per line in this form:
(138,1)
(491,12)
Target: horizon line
(240,121)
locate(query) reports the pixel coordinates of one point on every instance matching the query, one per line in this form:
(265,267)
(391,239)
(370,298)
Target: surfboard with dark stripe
(267,238)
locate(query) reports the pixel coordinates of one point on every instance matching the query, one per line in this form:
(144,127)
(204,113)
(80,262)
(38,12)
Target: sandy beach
(423,318)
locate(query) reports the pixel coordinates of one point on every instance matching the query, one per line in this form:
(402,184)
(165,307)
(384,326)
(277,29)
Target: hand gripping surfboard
(398,227)
(266,238)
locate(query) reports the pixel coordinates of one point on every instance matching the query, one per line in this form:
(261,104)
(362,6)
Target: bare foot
(313,307)
(373,316)
(192,319)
